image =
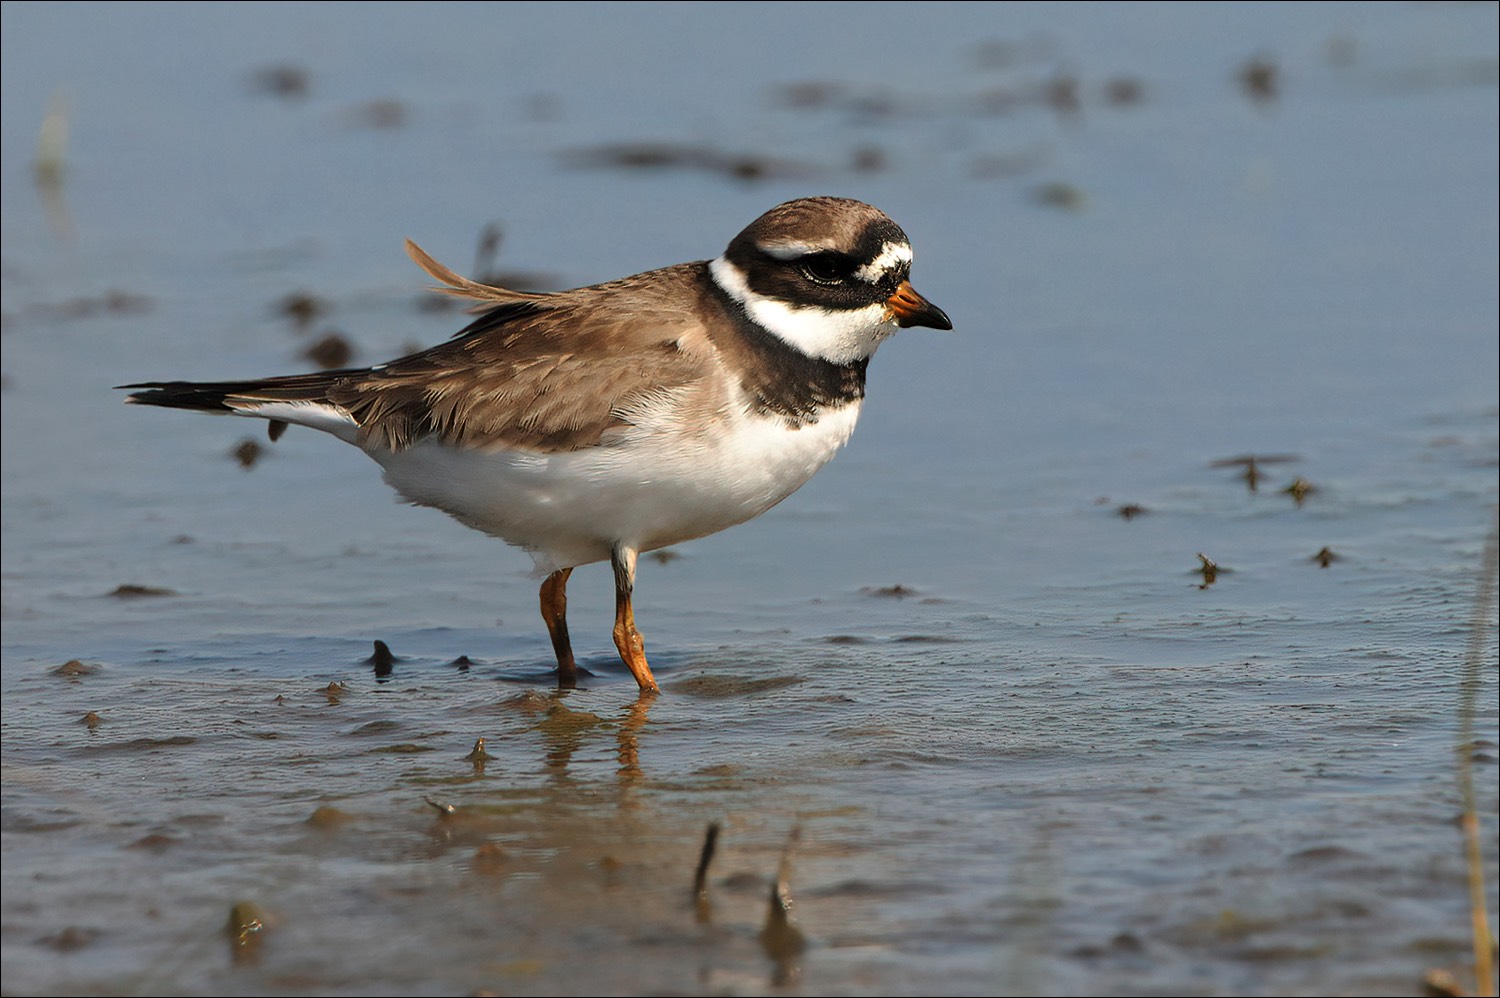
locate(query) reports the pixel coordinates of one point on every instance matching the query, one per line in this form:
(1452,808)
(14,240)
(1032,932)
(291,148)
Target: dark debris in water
(1130,510)
(331,351)
(868,159)
(1064,94)
(70,939)
(808,94)
(74,668)
(1121,944)
(865,104)
(1123,91)
(898,591)
(286,81)
(247,452)
(1251,463)
(1209,569)
(1300,489)
(643,156)
(1061,94)
(382,660)
(1326,556)
(1260,79)
(1060,194)
(131,590)
(302,308)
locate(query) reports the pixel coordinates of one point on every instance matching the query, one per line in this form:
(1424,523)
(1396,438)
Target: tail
(304,399)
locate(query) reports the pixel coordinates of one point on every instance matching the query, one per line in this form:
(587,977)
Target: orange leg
(555,613)
(627,638)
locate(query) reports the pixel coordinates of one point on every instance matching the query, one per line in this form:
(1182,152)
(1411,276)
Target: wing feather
(461,287)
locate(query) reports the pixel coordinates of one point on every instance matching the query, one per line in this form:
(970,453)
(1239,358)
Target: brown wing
(547,373)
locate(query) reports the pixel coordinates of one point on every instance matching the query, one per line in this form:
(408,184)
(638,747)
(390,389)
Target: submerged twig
(705,857)
(1208,568)
(780,938)
(478,757)
(701,902)
(1479,629)
(246,930)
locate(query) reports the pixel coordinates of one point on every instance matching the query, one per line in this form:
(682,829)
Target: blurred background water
(969,681)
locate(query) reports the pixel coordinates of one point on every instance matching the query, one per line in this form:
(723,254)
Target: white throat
(841,336)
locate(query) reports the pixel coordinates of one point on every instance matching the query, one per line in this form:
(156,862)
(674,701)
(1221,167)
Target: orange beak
(911,309)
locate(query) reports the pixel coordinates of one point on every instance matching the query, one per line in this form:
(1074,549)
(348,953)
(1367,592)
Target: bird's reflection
(565,730)
(628,738)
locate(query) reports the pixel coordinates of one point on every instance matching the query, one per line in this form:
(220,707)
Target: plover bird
(604,422)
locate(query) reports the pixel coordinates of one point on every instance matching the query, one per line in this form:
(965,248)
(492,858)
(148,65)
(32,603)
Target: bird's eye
(827,268)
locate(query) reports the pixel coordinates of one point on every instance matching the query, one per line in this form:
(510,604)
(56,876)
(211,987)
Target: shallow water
(1006,738)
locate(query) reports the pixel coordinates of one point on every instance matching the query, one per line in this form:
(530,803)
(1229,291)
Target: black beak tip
(930,316)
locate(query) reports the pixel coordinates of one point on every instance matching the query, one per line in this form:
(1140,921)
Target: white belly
(649,489)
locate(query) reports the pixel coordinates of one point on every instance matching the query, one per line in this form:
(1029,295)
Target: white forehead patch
(891,256)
